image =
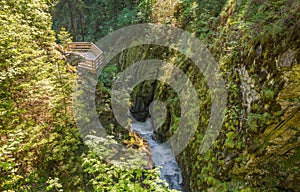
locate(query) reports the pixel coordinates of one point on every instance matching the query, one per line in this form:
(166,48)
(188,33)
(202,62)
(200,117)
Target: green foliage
(90,20)
(105,177)
(54,184)
(229,143)
(268,95)
(8,166)
(199,17)
(41,148)
(63,36)
(259,120)
(108,75)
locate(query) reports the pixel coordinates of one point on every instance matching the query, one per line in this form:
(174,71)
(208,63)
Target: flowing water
(162,156)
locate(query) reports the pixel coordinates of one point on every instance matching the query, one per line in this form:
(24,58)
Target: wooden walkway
(88,50)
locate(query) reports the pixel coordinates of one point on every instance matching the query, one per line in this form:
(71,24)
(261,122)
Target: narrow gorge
(257,47)
(67,124)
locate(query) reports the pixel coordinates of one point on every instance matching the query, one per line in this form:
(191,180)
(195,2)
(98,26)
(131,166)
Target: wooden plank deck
(86,55)
(88,50)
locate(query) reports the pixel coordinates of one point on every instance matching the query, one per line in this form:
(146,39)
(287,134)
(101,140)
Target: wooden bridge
(88,50)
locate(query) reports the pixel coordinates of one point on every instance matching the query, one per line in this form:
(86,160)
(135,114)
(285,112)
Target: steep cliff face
(257,46)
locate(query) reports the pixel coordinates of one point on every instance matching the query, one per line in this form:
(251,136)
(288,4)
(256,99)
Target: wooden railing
(85,49)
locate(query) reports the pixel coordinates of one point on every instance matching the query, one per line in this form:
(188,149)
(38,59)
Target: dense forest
(255,44)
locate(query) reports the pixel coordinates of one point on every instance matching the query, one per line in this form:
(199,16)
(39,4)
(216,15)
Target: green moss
(268,95)
(247,34)
(229,143)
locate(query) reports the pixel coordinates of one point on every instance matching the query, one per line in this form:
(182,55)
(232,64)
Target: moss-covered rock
(258,145)
(257,45)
